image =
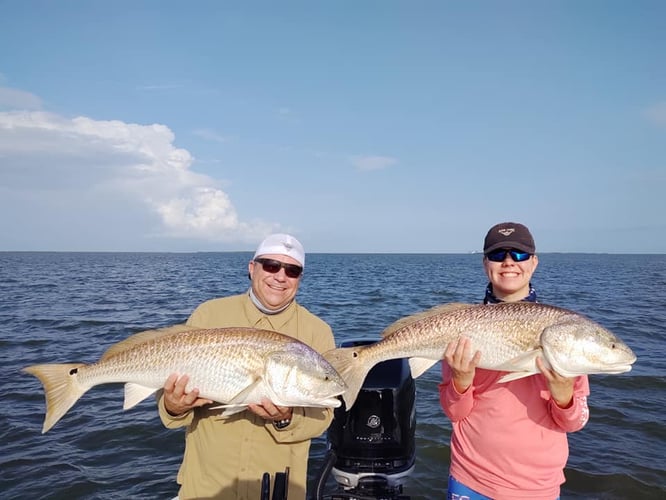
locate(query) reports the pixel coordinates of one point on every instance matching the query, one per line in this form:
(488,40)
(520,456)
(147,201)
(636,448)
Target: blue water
(68,307)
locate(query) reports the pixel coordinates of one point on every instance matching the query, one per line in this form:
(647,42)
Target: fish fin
(240,401)
(434,311)
(61,389)
(419,366)
(228,409)
(347,361)
(135,393)
(521,366)
(525,362)
(515,376)
(143,337)
(246,394)
(232,410)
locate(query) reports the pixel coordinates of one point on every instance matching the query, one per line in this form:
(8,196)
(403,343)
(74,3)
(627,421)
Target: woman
(509,440)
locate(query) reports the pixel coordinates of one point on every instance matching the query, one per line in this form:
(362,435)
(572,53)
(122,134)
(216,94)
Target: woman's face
(510,279)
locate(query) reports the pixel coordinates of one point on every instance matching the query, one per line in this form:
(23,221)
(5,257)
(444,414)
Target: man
(225,458)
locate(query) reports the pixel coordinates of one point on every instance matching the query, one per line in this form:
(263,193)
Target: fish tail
(348,362)
(61,389)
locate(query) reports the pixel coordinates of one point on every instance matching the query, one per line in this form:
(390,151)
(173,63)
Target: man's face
(274,290)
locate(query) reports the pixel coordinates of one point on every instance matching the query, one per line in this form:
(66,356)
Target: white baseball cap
(282,244)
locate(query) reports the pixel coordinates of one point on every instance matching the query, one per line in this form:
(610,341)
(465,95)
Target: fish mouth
(605,369)
(623,368)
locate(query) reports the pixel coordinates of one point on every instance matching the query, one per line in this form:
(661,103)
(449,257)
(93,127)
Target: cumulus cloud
(373,162)
(45,152)
(657,113)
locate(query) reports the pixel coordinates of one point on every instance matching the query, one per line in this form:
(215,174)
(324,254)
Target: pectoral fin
(521,366)
(240,401)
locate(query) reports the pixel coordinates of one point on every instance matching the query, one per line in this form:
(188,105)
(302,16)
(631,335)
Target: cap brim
(509,244)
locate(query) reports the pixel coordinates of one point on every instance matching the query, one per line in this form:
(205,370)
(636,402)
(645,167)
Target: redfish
(510,336)
(231,366)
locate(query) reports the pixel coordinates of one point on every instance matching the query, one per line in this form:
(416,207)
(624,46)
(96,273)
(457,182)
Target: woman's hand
(561,388)
(462,363)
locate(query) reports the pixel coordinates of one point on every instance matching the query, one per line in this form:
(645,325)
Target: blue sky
(358,126)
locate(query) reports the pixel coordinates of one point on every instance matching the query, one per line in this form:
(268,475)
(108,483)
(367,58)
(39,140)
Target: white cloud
(18,99)
(138,165)
(657,113)
(373,162)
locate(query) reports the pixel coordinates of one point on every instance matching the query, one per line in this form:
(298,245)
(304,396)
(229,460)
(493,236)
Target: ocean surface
(69,307)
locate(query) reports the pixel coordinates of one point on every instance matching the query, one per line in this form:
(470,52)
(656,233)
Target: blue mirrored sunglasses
(500,255)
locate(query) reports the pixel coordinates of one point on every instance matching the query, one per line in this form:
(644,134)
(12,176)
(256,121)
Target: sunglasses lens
(496,256)
(500,255)
(292,271)
(270,266)
(519,256)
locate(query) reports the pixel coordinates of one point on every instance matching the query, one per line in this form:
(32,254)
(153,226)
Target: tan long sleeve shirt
(226,458)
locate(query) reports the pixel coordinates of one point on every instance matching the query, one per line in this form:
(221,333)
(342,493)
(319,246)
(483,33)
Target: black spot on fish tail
(73,371)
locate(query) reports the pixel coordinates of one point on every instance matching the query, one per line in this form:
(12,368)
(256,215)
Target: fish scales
(219,363)
(510,336)
(231,366)
(489,328)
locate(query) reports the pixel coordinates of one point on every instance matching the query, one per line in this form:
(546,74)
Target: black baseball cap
(509,235)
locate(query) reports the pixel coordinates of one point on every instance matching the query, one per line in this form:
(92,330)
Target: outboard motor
(371,448)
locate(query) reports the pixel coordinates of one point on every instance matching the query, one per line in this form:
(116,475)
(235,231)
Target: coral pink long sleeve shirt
(509,440)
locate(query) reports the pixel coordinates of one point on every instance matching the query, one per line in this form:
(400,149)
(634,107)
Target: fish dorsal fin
(143,337)
(433,311)
(135,393)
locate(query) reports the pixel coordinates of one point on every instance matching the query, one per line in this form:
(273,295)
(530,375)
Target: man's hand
(176,400)
(268,411)
(462,363)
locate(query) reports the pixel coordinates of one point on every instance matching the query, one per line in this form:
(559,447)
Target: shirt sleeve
(168,420)
(574,417)
(456,406)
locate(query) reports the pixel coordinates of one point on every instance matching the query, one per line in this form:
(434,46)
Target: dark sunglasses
(274,266)
(500,255)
